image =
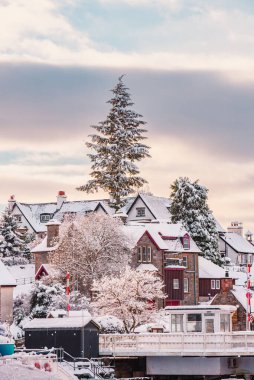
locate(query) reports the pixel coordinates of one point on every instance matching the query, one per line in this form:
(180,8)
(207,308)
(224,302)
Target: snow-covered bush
(130,296)
(110,324)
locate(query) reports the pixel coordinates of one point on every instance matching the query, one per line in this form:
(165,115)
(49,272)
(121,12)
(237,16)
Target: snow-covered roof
(157,205)
(147,267)
(229,308)
(240,294)
(207,269)
(22,271)
(158,233)
(33,211)
(6,279)
(42,247)
(72,313)
(66,322)
(237,242)
(49,268)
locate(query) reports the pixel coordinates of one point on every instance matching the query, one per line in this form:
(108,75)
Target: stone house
(7,285)
(169,249)
(235,296)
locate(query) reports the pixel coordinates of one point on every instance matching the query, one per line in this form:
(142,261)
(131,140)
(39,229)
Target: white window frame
(213,285)
(18,218)
(176,284)
(217,284)
(186,285)
(148,254)
(144,255)
(185,259)
(186,239)
(140,254)
(141,212)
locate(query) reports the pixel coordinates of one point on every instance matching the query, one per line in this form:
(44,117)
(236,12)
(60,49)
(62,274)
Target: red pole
(68,293)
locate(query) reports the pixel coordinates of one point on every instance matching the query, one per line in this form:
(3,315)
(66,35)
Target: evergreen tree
(117,146)
(45,298)
(189,206)
(13,244)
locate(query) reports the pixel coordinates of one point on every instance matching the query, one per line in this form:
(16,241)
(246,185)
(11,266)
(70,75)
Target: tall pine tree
(189,206)
(117,146)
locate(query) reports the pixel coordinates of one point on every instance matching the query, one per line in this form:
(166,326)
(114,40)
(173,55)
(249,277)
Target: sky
(189,67)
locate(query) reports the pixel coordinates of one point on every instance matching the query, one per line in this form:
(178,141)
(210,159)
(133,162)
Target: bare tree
(91,247)
(129,296)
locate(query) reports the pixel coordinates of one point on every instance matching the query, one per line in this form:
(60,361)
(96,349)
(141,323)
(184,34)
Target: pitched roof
(237,242)
(67,322)
(158,232)
(6,279)
(207,269)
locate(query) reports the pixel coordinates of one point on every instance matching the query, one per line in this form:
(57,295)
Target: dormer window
(18,218)
(141,211)
(186,242)
(44,218)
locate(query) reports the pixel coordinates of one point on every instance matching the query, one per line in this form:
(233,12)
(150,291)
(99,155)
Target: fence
(192,344)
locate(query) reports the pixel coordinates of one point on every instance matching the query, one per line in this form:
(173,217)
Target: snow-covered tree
(130,296)
(46,297)
(189,206)
(21,308)
(116,148)
(89,247)
(13,244)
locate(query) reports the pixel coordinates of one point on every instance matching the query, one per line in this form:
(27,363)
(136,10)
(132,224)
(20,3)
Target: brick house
(170,249)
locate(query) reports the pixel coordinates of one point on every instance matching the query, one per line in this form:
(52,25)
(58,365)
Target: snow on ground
(10,371)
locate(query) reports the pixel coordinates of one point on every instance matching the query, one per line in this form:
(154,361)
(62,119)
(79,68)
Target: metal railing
(25,280)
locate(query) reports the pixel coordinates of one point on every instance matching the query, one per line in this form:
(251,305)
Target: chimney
(226,284)
(11,202)
(248,236)
(236,227)
(61,198)
(52,232)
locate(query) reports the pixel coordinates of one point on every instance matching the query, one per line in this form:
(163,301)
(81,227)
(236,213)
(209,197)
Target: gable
(136,209)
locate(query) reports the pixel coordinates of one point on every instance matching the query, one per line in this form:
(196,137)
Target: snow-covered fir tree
(129,296)
(13,244)
(116,148)
(189,206)
(46,297)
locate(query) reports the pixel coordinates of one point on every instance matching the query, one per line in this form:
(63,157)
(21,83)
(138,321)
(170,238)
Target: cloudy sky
(189,65)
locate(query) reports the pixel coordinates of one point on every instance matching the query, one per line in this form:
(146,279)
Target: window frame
(140,212)
(139,254)
(186,239)
(185,288)
(217,284)
(185,261)
(148,254)
(213,285)
(43,218)
(174,284)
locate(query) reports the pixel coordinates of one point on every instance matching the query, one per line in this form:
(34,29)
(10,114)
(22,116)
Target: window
(185,261)
(186,242)
(172,262)
(141,211)
(44,218)
(194,323)
(225,322)
(18,218)
(217,284)
(148,254)
(144,254)
(186,285)
(139,254)
(176,284)
(212,284)
(177,323)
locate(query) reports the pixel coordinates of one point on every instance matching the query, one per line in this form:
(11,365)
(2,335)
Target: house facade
(168,249)
(7,285)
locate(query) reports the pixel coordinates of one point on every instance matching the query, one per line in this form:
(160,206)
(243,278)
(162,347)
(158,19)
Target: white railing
(192,344)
